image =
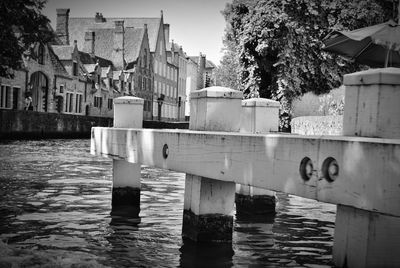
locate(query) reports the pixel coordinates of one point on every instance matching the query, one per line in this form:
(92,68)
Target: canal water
(55,202)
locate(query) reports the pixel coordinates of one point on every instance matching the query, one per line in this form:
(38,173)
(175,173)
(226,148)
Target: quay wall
(20,124)
(17,124)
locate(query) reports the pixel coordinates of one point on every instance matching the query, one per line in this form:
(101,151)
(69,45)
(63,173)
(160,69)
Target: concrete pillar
(208,204)
(128,113)
(258,116)
(369,238)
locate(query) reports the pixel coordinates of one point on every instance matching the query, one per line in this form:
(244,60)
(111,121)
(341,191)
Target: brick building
(118,40)
(177,57)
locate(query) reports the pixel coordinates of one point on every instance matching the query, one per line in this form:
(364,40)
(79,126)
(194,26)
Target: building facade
(123,41)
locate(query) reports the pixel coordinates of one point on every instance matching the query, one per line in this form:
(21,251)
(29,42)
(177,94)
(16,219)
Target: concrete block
(366,239)
(215,108)
(128,112)
(372,103)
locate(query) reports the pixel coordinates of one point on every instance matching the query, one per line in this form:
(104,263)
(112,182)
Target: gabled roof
(78,27)
(87,58)
(104,43)
(63,52)
(59,67)
(90,67)
(133,42)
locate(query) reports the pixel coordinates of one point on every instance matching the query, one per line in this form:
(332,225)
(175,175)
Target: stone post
(372,108)
(128,113)
(258,116)
(208,203)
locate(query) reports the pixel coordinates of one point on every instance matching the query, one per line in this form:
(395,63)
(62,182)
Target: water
(55,203)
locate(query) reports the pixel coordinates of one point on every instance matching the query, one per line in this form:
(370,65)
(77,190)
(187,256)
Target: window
(143,83)
(110,82)
(41,54)
(5,94)
(110,104)
(61,88)
(78,103)
(69,102)
(98,102)
(75,68)
(130,87)
(145,58)
(121,83)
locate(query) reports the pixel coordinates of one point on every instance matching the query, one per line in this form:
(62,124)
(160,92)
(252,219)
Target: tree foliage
(277,44)
(21,25)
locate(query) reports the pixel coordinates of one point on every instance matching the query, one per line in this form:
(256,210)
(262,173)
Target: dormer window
(41,54)
(75,68)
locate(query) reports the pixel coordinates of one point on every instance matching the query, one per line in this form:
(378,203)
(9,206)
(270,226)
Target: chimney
(62,25)
(201,71)
(99,17)
(166,33)
(118,51)
(89,42)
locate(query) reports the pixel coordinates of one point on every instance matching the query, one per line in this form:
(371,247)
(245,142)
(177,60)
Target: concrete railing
(359,174)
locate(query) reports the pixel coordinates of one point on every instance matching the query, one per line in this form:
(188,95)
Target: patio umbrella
(375,46)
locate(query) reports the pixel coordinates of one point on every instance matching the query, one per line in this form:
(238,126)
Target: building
(176,56)
(91,97)
(199,74)
(158,80)
(53,86)
(123,41)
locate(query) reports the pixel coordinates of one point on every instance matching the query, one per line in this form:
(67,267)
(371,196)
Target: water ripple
(55,203)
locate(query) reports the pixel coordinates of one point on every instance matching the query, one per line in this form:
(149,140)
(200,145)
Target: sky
(196,25)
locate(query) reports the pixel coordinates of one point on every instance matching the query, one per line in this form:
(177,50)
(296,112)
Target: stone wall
(31,124)
(318,125)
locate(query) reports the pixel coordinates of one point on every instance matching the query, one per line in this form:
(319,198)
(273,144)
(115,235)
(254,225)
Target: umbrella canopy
(376,46)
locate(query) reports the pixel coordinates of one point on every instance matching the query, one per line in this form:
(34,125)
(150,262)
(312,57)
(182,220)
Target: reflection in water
(55,204)
(206,255)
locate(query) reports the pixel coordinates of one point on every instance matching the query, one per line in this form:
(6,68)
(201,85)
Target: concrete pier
(365,238)
(359,172)
(258,116)
(208,203)
(128,113)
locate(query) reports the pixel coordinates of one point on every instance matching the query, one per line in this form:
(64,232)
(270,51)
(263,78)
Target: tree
(21,25)
(227,72)
(279,43)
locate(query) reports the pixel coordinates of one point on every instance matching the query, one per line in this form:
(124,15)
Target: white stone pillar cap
(387,76)
(128,100)
(260,102)
(217,92)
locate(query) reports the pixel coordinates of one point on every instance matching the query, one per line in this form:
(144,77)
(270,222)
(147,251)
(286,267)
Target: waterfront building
(53,86)
(155,79)
(177,56)
(87,97)
(199,75)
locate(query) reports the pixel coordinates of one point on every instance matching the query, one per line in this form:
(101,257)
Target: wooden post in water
(208,203)
(128,113)
(258,116)
(372,109)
